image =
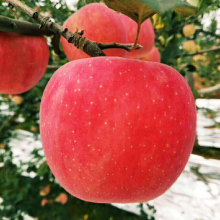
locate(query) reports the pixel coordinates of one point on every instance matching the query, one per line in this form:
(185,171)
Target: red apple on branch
(146,36)
(116,129)
(23,62)
(153,55)
(100,24)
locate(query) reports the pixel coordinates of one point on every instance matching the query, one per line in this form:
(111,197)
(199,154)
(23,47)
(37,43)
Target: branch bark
(202,51)
(22,27)
(209,90)
(92,48)
(208,32)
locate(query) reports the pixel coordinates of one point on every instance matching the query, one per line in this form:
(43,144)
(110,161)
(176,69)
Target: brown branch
(22,27)
(208,32)
(202,51)
(207,152)
(209,90)
(92,48)
(127,47)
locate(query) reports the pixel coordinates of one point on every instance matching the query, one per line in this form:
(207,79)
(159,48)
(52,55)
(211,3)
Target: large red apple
(146,37)
(153,55)
(116,129)
(100,24)
(23,61)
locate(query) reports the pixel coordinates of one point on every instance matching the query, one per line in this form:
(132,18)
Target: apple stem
(91,48)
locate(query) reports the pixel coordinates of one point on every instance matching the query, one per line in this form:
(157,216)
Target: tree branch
(92,48)
(127,47)
(209,90)
(208,32)
(22,27)
(202,51)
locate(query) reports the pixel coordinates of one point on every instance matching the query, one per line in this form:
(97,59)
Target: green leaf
(184,9)
(140,10)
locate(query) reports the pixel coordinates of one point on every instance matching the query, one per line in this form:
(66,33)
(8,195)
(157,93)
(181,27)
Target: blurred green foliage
(21,183)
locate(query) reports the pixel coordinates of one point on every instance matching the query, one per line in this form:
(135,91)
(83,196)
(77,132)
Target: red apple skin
(23,62)
(116,129)
(153,55)
(100,24)
(146,37)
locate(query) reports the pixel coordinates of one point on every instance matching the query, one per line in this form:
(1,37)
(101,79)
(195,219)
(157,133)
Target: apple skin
(100,24)
(23,62)
(146,37)
(153,55)
(117,130)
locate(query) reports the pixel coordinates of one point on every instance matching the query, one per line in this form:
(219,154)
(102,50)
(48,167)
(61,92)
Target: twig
(22,27)
(202,51)
(209,90)
(92,48)
(208,32)
(127,47)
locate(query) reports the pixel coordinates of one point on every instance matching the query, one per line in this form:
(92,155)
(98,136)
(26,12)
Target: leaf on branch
(140,10)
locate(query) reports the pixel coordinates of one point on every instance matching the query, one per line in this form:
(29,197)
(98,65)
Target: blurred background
(28,190)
